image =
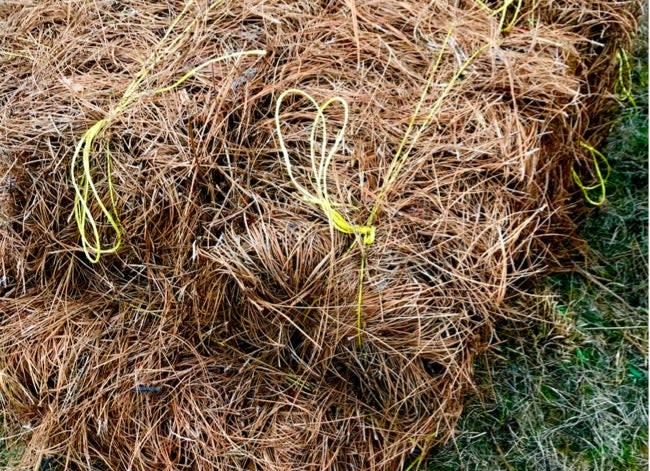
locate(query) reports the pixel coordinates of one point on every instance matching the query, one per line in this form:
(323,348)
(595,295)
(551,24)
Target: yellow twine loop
(623,84)
(320,165)
(503,10)
(319,171)
(602,181)
(84,183)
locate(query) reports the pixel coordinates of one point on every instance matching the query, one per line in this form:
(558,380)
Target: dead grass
(223,332)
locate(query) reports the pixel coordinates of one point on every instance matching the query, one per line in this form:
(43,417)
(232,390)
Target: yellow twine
(195,70)
(319,177)
(300,383)
(12,55)
(319,171)
(401,155)
(84,184)
(623,84)
(416,464)
(503,10)
(602,181)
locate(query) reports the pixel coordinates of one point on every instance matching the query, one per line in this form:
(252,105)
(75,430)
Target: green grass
(8,454)
(570,392)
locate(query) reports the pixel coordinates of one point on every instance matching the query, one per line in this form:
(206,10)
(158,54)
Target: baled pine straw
(223,332)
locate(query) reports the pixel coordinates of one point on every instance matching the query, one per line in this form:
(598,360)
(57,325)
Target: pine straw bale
(223,333)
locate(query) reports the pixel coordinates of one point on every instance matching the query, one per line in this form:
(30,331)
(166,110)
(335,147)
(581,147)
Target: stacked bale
(224,333)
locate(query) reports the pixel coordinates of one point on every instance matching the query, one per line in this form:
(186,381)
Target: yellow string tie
(320,166)
(623,84)
(403,151)
(602,180)
(503,10)
(320,169)
(84,183)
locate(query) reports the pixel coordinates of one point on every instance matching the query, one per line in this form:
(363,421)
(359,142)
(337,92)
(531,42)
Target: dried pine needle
(231,298)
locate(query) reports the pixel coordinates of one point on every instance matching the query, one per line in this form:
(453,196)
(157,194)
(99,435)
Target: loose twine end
(623,83)
(503,11)
(601,183)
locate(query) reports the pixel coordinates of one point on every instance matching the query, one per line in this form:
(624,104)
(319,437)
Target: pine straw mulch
(223,332)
